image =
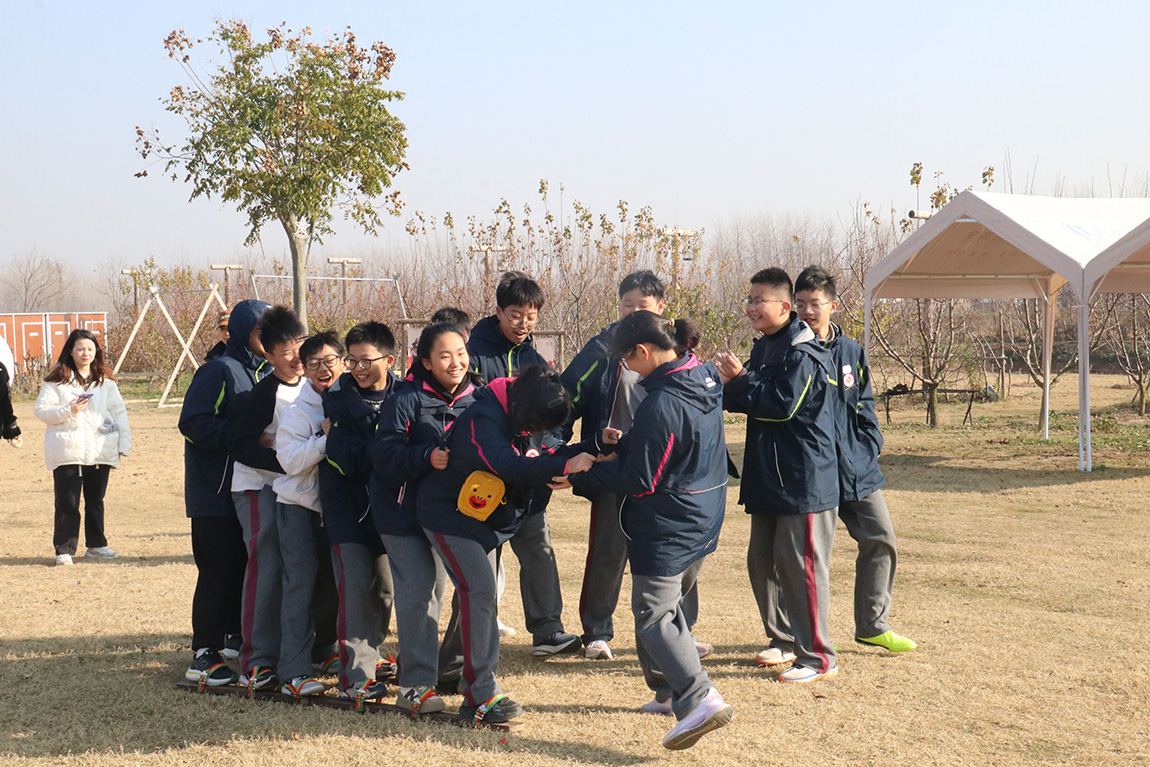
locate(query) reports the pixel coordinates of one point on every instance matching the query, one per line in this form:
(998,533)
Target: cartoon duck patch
(481,494)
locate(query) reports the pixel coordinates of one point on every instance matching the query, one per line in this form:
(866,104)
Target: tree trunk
(1142,397)
(299,249)
(931,404)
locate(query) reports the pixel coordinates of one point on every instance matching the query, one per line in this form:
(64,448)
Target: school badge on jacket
(848,377)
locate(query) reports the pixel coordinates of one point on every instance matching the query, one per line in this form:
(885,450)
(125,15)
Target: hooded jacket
(212,407)
(482,440)
(344,475)
(671,468)
(494,356)
(95,435)
(300,447)
(790,465)
(412,423)
(859,440)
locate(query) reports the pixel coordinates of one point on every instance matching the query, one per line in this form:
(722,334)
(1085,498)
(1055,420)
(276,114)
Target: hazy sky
(701,110)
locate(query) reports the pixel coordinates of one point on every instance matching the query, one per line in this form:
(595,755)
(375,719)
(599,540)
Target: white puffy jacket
(95,435)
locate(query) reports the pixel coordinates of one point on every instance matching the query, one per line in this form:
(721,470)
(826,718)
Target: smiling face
(815,309)
(374,376)
(323,368)
(448,360)
(767,308)
(285,360)
(634,301)
(517,322)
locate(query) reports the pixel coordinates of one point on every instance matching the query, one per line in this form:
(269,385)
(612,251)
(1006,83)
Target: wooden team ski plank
(344,704)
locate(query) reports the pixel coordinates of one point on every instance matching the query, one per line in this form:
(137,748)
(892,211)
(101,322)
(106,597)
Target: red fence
(40,337)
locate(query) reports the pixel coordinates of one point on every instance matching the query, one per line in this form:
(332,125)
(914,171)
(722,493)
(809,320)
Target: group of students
(324,493)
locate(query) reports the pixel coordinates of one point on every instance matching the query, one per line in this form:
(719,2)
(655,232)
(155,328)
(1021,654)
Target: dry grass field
(1025,583)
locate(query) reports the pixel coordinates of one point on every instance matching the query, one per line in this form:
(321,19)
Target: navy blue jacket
(859,441)
(344,476)
(591,379)
(212,407)
(672,468)
(791,463)
(481,440)
(493,356)
(414,421)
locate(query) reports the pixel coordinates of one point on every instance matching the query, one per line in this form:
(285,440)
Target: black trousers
(70,482)
(220,555)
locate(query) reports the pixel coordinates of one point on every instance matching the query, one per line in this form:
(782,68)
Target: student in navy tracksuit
(671,469)
(212,406)
(505,433)
(861,506)
(363,578)
(499,346)
(410,447)
(790,484)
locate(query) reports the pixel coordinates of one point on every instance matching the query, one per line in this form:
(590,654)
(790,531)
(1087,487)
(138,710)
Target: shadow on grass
(118,694)
(930,472)
(81,561)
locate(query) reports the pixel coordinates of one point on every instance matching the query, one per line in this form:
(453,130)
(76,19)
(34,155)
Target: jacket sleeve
(773,396)
(201,421)
(642,460)
(118,412)
(867,419)
(297,446)
(490,441)
(390,453)
(255,418)
(8,427)
(584,380)
(346,452)
(49,408)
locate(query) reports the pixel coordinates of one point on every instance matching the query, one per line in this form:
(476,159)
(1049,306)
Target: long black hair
(537,401)
(645,327)
(426,343)
(65,369)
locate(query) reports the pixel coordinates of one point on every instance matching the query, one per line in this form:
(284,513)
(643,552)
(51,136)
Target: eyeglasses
(816,305)
(364,364)
(749,302)
(329,362)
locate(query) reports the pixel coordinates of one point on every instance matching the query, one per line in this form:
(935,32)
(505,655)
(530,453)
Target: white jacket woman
(98,434)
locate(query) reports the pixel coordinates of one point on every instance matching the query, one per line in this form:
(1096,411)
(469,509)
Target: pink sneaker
(711,714)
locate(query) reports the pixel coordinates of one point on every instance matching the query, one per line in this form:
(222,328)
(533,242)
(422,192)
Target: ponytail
(643,327)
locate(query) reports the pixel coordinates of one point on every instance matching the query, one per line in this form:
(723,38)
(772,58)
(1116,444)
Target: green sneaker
(889,641)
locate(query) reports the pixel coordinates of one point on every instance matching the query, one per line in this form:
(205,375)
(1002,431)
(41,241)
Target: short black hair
(280,325)
(451,315)
(817,278)
(537,401)
(643,327)
(316,343)
(646,282)
(517,289)
(372,333)
(774,277)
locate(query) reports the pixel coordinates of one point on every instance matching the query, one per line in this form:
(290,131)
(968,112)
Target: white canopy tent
(983,245)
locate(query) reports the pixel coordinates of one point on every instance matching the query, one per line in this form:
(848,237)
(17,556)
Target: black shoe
(503,710)
(386,669)
(233,643)
(447,687)
(262,678)
(556,644)
(209,669)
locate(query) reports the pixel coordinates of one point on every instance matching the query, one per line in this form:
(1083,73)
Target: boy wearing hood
(499,346)
(790,483)
(212,406)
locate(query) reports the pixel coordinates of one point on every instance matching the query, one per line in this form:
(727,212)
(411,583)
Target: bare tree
(33,282)
(1124,337)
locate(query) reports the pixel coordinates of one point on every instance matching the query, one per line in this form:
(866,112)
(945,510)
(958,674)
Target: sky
(703,111)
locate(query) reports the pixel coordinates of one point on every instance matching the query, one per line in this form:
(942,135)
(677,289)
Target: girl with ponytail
(671,470)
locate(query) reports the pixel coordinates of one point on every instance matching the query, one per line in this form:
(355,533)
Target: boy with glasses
(790,477)
(861,505)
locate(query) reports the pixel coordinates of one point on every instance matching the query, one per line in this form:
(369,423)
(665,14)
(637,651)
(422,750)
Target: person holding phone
(87,435)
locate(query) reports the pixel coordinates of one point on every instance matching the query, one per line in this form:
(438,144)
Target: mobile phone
(85,396)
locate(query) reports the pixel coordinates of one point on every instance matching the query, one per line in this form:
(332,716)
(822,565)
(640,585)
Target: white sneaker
(806,674)
(657,707)
(703,648)
(599,649)
(63,559)
(773,656)
(504,629)
(711,714)
(100,552)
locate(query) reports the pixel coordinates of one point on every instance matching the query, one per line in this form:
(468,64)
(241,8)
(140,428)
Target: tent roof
(1124,267)
(983,245)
